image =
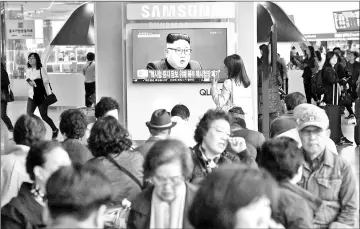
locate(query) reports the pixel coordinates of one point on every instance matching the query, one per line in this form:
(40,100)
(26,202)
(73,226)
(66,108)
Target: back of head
(238,122)
(294,99)
(105,105)
(28,129)
(73,123)
(172,37)
(90,56)
(236,69)
(37,153)
(166,151)
(77,191)
(281,157)
(226,190)
(180,110)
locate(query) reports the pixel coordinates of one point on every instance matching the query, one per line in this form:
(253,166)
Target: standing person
(352,72)
(5,82)
(320,59)
(310,67)
(235,90)
(89,73)
(38,84)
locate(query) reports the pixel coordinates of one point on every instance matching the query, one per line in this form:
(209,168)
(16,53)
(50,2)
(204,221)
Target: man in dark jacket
(5,82)
(177,54)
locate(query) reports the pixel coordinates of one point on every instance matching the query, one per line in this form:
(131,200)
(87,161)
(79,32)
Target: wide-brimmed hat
(160,120)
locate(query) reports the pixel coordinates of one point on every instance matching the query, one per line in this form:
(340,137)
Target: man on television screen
(177,54)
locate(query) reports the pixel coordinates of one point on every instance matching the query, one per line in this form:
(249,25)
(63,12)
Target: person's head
(73,124)
(34,60)
(167,165)
(178,50)
(337,50)
(234,196)
(294,99)
(282,158)
(213,131)
(107,106)
(181,110)
(237,112)
(28,129)
(322,50)
(90,56)
(310,52)
(235,69)
(351,56)
(237,123)
(107,137)
(43,159)
(261,48)
(78,193)
(313,127)
(160,123)
(331,59)
(318,55)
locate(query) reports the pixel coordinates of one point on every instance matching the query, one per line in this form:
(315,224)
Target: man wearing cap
(325,174)
(159,127)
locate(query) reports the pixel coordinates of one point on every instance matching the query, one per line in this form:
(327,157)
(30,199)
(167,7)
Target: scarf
(168,215)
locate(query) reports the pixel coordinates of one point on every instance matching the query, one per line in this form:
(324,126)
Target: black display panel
(155,61)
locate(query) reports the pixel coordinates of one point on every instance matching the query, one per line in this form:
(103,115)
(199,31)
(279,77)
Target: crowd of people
(230,177)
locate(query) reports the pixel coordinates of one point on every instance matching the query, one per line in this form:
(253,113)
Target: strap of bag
(125,171)
(87,68)
(43,80)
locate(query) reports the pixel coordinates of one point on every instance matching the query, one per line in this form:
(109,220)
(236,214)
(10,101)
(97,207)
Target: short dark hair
(261,46)
(294,99)
(180,110)
(107,137)
(28,129)
(166,151)
(237,110)
(77,190)
(73,123)
(36,155)
(90,56)
(172,37)
(105,105)
(293,47)
(203,126)
(356,54)
(336,48)
(238,121)
(236,69)
(38,60)
(226,190)
(281,157)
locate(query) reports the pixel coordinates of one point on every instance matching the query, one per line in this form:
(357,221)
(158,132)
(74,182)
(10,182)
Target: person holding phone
(38,88)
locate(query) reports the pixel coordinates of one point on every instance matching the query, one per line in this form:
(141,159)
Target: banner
(20,29)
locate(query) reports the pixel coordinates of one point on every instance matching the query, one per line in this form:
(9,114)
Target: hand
(237,144)
(214,80)
(32,83)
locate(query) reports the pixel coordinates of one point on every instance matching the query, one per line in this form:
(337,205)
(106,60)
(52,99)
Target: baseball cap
(310,115)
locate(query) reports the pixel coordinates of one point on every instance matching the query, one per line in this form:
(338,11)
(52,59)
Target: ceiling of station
(51,10)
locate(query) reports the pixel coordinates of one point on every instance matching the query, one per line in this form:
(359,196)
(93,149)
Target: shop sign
(332,35)
(20,29)
(176,11)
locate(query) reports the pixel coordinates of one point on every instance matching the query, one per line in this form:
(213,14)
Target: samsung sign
(176,11)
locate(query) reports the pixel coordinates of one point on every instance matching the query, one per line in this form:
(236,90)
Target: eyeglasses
(307,133)
(179,51)
(160,180)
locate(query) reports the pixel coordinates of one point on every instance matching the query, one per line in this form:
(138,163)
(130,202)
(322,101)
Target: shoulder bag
(49,99)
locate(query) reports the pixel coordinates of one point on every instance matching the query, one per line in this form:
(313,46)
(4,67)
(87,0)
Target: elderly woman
(164,204)
(215,146)
(284,160)
(235,196)
(25,210)
(109,142)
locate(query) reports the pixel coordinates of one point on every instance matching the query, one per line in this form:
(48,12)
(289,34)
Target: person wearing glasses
(177,55)
(164,203)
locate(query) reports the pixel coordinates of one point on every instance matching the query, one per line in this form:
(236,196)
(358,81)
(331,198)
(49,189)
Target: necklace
(37,193)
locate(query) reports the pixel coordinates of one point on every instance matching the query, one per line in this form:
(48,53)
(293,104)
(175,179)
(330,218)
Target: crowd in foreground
(220,175)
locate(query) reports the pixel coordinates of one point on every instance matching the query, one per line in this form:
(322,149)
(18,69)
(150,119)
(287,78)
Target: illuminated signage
(320,36)
(176,11)
(346,20)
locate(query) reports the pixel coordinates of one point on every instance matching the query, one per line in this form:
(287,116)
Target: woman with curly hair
(72,127)
(109,142)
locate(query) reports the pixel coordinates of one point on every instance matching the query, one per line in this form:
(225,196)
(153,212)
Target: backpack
(317,87)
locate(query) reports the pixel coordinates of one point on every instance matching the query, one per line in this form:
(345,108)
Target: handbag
(7,96)
(49,99)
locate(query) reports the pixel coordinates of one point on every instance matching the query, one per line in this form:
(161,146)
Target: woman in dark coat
(5,82)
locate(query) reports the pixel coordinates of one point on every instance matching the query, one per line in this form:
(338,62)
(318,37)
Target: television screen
(179,55)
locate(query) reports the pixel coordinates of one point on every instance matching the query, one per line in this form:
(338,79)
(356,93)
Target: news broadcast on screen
(179,55)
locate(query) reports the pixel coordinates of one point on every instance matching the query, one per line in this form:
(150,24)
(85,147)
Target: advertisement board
(20,29)
(346,20)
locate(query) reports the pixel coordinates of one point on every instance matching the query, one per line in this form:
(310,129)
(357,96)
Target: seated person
(177,55)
